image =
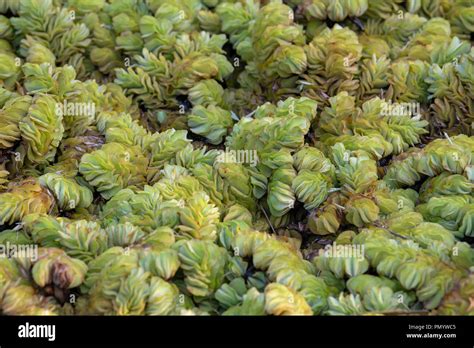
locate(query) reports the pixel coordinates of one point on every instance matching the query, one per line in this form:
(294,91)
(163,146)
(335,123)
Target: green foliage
(204,157)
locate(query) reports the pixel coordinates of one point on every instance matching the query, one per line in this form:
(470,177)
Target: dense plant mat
(206,157)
